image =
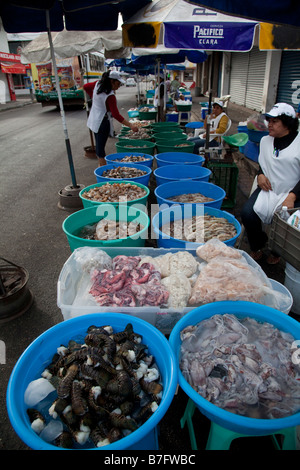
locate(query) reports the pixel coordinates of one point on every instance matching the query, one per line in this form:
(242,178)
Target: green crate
(225,175)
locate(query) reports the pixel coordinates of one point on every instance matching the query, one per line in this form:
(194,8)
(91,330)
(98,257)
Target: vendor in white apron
(278,179)
(218,124)
(104,109)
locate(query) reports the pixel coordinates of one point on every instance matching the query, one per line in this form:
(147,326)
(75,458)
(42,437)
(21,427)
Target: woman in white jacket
(278,179)
(104,109)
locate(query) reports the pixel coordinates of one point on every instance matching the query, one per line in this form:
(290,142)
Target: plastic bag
(227,275)
(256,122)
(89,258)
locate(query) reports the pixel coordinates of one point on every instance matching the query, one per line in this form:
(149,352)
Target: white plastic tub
(74,300)
(292,282)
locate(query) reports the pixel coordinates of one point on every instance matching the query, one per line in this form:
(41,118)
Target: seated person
(278,179)
(218,124)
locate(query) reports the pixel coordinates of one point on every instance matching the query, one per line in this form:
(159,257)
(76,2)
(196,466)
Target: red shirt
(111,102)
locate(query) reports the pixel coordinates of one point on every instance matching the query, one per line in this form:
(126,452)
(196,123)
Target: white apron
(214,123)
(283,173)
(98,112)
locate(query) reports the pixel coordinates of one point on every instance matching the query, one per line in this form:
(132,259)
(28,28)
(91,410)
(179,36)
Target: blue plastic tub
(251,150)
(113,157)
(91,203)
(256,136)
(86,217)
(170,173)
(226,419)
(165,191)
(175,158)
(39,353)
(144,179)
(176,212)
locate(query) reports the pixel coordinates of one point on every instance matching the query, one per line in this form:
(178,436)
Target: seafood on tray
(110,230)
(132,158)
(176,279)
(105,386)
(200,228)
(242,365)
(123,172)
(191,197)
(142,133)
(133,281)
(115,192)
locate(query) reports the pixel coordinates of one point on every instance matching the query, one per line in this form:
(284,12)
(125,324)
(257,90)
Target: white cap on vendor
(281,108)
(116,76)
(219,103)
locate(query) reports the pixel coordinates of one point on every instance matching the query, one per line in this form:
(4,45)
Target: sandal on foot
(273,259)
(256,255)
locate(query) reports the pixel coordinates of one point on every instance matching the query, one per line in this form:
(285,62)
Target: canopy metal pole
(61,106)
(211,77)
(165,90)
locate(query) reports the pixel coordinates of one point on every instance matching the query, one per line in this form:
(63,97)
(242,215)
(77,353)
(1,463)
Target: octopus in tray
(106,387)
(128,284)
(242,365)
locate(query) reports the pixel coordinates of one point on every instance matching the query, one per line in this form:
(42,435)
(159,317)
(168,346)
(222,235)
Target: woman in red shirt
(104,109)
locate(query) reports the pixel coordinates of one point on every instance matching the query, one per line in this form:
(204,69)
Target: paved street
(34,168)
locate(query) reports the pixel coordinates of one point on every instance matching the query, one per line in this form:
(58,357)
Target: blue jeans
(201,143)
(101,137)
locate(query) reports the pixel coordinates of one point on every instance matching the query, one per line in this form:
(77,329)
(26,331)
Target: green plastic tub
(132,145)
(188,148)
(172,138)
(147,115)
(184,107)
(172,132)
(75,222)
(90,203)
(164,126)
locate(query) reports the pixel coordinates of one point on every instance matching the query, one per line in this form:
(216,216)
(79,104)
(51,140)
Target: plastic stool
(220,438)
(181,119)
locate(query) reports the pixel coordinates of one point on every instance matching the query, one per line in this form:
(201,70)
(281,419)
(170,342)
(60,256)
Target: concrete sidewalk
(18,103)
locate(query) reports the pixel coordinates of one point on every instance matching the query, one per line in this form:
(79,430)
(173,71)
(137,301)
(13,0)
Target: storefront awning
(13,68)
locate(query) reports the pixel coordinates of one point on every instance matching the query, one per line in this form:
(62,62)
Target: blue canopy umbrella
(285,12)
(73,15)
(178,24)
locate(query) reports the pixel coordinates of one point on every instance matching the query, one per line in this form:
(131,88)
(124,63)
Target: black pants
(101,137)
(257,238)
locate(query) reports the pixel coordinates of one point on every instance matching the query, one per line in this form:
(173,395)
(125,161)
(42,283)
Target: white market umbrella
(64,44)
(69,44)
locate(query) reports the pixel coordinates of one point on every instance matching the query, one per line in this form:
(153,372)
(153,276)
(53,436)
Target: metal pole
(209,101)
(61,106)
